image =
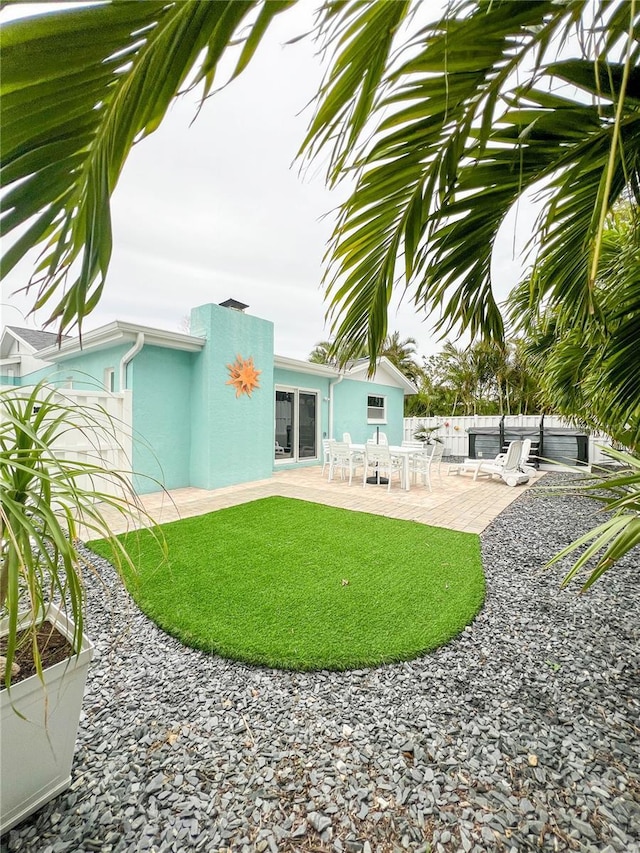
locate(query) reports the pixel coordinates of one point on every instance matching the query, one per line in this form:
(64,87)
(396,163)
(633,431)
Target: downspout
(129,356)
(331,386)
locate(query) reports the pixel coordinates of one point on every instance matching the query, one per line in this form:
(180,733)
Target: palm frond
(456,144)
(607,543)
(360,36)
(588,362)
(79,87)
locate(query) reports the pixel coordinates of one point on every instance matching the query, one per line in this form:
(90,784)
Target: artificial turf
(297,585)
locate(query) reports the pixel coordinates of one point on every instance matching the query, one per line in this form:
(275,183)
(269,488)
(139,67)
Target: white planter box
(36,753)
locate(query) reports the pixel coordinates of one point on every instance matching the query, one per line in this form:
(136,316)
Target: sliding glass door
(307,429)
(296,424)
(285,424)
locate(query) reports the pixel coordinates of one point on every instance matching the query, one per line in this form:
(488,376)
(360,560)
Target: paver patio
(456,502)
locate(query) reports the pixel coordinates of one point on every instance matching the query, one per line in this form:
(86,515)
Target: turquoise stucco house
(216,407)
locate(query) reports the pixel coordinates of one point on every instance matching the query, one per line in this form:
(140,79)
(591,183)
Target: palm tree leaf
(603,81)
(362,36)
(439,178)
(79,88)
(265,17)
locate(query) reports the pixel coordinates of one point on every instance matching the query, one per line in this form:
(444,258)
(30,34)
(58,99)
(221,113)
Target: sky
(218,207)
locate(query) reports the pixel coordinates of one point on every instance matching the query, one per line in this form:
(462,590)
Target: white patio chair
(418,445)
(422,465)
(343,459)
(379,462)
(421,449)
(346,437)
(378,438)
(473,464)
(508,468)
(326,453)
(524,458)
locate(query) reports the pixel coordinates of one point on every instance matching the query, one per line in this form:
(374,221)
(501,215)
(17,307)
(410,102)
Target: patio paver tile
(457,503)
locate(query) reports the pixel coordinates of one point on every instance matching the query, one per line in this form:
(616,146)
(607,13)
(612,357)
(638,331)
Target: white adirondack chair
(507,468)
(524,458)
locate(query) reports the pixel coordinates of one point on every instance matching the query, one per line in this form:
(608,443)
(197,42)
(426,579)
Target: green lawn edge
(294,585)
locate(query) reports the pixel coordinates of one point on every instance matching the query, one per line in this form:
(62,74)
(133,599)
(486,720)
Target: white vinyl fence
(453,431)
(102,436)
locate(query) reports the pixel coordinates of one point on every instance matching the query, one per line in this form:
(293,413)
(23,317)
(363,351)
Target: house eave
(285,363)
(121,333)
(401,380)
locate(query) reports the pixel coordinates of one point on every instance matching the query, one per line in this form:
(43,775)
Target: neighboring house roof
(33,340)
(35,337)
(121,333)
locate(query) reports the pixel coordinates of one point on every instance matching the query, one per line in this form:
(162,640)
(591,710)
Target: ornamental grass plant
(45,499)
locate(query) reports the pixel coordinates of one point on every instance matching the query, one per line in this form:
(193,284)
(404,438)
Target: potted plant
(45,501)
(427,435)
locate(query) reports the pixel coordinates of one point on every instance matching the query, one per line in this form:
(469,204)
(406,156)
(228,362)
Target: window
(110,379)
(376,410)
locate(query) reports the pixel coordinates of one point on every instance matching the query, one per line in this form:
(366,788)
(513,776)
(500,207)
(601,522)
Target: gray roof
(35,338)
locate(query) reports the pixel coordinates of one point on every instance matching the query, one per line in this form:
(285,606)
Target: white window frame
(110,379)
(383,418)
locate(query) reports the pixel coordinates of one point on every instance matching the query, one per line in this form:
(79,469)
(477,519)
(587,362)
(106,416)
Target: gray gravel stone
(522,731)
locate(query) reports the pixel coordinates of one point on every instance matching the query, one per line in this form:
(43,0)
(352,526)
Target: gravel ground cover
(521,734)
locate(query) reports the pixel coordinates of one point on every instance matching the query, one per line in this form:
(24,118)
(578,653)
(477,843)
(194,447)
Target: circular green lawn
(296,585)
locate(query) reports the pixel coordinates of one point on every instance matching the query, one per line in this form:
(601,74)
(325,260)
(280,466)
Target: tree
(470,373)
(445,124)
(482,112)
(484,378)
(433,397)
(400,353)
(589,368)
(322,353)
(522,391)
(457,371)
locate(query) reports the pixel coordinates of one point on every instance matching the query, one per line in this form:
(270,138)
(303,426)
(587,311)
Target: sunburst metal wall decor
(244,375)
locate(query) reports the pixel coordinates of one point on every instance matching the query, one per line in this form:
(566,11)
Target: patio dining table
(396,450)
